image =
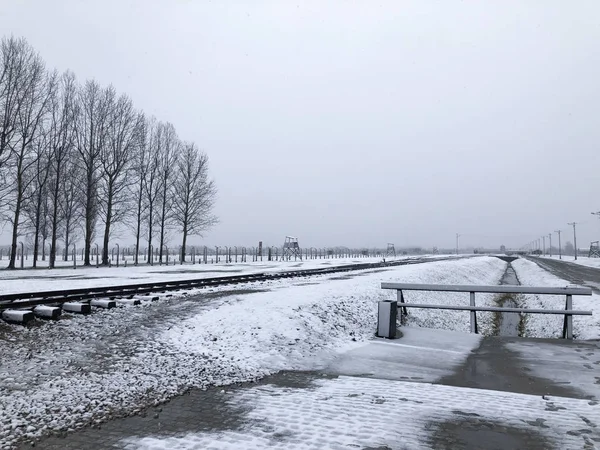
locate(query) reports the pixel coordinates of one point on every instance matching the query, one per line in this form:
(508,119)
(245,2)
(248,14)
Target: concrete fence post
(387,314)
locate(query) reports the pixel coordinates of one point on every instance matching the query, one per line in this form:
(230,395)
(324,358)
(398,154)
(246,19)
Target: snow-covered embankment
(551,326)
(284,328)
(84,370)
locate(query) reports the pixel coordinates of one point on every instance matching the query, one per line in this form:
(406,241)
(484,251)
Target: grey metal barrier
(386,327)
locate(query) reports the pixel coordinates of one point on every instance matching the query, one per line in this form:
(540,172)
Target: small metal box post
(387,315)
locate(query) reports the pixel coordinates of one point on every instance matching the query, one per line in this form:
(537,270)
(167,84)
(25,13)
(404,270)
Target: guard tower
(291,248)
(594,249)
(391,251)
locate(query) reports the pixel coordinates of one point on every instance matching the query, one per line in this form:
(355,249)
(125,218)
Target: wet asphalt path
(574,273)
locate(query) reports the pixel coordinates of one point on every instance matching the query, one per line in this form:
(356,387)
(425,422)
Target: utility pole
(574,238)
(559,247)
(597,214)
(457,236)
(550,245)
(544,239)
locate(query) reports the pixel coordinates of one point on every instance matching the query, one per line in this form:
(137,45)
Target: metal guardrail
(388,310)
(501,289)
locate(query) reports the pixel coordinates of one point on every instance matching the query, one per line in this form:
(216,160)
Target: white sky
(356,122)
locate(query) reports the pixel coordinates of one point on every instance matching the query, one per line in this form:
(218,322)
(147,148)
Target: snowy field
(581,260)
(83,370)
(545,325)
(36,280)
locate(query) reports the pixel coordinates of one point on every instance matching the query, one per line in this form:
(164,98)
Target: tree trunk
(139,222)
(36,245)
(66,255)
(15,231)
(54,218)
(88,216)
(184,241)
(107,227)
(36,240)
(162,221)
(150,235)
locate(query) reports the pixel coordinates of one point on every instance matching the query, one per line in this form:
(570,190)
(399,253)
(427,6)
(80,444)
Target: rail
(388,310)
(32,299)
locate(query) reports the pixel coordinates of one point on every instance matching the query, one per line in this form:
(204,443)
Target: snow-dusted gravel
(58,376)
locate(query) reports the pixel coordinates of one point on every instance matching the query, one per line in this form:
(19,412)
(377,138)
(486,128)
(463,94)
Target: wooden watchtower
(291,248)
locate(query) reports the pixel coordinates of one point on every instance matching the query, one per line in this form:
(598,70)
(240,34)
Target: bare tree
(63,115)
(116,158)
(151,184)
(90,137)
(44,224)
(15,60)
(193,194)
(170,147)
(36,198)
(72,202)
(38,88)
(141,167)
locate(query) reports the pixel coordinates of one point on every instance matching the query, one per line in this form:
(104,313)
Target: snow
(581,260)
(287,328)
(36,280)
(421,354)
(83,370)
(569,365)
(545,325)
(487,271)
(385,414)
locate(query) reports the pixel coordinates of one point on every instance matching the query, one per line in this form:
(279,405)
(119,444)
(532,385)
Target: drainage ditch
(506,323)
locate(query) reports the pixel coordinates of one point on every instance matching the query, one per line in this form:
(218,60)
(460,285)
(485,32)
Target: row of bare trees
(79,159)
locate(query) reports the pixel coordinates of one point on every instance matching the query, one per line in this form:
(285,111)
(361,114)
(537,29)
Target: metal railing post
(568,322)
(473,315)
(403,310)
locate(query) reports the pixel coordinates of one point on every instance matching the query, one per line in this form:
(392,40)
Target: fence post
(473,315)
(403,310)
(387,314)
(568,322)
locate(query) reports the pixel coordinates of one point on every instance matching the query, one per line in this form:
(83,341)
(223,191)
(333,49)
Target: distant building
(502,249)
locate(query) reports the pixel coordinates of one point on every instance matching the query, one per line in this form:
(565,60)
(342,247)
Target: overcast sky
(359,123)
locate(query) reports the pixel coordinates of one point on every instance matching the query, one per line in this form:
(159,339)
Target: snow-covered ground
(82,370)
(388,414)
(581,260)
(545,325)
(30,280)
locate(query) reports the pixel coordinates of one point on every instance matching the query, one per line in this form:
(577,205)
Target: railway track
(23,307)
